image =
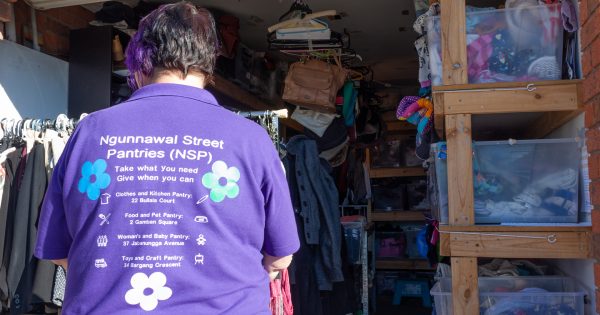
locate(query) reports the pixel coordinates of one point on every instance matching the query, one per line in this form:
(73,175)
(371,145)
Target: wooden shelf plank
(514,244)
(396,172)
(389,116)
(246,98)
(380,216)
(400,125)
(501,85)
(515,228)
(399,264)
(548,123)
(495,99)
(292,124)
(438,111)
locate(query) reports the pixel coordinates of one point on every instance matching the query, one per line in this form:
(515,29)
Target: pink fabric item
(435,236)
(552,22)
(478,54)
(404,103)
(281,297)
(412,108)
(390,247)
(551,33)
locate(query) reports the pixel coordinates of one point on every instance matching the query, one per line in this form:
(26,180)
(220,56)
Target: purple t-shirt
(164,204)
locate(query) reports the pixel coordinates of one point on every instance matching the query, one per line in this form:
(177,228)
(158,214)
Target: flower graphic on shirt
(147,291)
(222,181)
(93,178)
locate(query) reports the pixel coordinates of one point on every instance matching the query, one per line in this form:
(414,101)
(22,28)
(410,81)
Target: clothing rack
(29,151)
(268,120)
(282,113)
(15,128)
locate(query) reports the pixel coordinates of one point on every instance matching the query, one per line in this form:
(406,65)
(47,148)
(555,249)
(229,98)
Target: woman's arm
(273,265)
(61,262)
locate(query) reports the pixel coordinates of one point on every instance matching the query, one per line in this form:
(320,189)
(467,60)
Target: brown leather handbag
(314,84)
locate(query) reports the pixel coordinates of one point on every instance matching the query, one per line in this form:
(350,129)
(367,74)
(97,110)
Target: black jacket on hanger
(7,205)
(22,265)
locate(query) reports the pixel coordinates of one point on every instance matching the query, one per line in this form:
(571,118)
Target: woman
(168,203)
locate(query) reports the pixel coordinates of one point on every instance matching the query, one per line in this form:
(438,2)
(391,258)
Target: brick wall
(590,42)
(53,26)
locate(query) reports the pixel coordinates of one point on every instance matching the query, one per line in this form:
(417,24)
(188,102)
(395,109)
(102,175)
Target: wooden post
(460,170)
(461,210)
(465,293)
(454,41)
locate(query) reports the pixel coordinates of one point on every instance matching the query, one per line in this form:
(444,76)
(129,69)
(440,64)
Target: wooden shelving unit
(455,103)
(403,264)
(395,127)
(396,172)
(397,216)
(375,216)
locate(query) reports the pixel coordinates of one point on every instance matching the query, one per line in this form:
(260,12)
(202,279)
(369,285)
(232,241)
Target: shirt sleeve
(281,235)
(53,237)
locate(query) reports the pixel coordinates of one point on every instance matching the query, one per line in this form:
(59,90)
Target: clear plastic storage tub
(411,233)
(390,244)
(389,194)
(508,45)
(517,295)
(526,181)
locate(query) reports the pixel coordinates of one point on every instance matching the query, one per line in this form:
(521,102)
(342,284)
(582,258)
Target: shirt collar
(171,89)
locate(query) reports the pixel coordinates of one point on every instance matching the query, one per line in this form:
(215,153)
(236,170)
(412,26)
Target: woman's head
(178,38)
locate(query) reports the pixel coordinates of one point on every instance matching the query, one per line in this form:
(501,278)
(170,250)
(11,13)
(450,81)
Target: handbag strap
(337,60)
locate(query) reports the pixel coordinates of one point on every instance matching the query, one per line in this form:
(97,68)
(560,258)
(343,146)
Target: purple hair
(177,37)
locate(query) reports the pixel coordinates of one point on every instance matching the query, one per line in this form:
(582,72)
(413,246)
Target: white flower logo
(222,181)
(147,291)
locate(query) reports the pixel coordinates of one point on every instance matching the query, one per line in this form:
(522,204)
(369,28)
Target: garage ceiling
(380,30)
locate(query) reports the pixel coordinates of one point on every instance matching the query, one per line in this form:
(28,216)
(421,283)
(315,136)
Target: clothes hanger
(298,21)
(298,5)
(355,75)
(5,154)
(24,134)
(60,124)
(39,134)
(19,128)
(3,128)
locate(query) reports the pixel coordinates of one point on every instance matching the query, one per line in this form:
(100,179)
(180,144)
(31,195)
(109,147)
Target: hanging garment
(356,178)
(335,135)
(48,272)
(43,282)
(318,208)
(7,203)
(281,298)
(317,122)
(422,46)
(16,166)
(349,106)
(57,144)
(305,288)
(569,16)
(22,264)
